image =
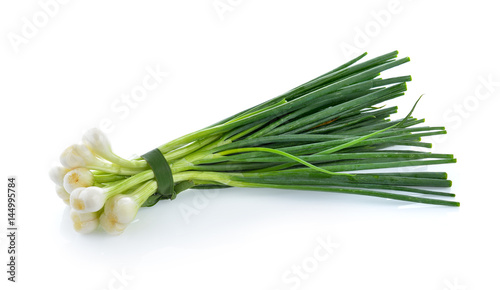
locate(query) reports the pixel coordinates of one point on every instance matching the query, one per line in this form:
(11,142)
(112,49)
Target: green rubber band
(162,172)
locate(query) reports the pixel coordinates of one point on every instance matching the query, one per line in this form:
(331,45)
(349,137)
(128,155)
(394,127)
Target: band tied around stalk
(162,173)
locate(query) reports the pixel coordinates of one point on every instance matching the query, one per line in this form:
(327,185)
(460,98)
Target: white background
(70,71)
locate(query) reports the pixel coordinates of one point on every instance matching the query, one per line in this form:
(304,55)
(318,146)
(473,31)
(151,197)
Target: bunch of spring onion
(320,136)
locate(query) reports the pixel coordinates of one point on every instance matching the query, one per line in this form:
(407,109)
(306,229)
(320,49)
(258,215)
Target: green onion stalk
(329,134)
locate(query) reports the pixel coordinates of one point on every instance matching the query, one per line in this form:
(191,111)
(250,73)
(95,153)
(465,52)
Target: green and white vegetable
(319,136)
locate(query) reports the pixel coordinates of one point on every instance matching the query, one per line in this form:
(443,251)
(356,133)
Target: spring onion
(320,136)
